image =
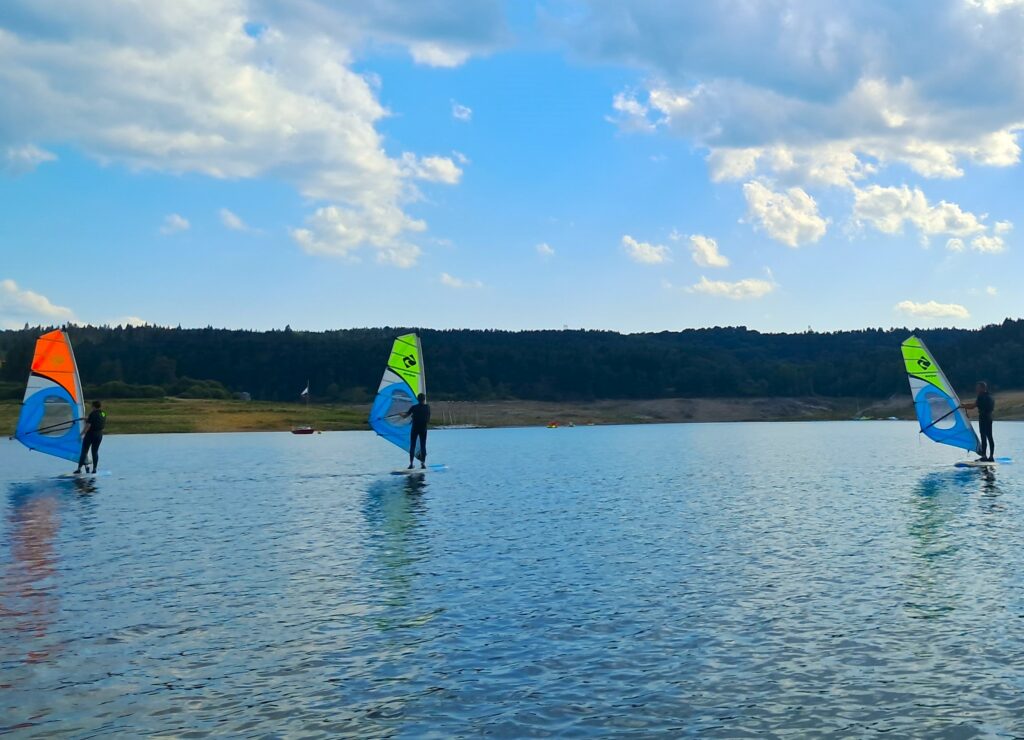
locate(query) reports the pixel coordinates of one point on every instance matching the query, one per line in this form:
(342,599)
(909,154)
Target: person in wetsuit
(94,425)
(420,414)
(985,405)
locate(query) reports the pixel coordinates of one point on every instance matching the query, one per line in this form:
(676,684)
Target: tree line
(345,365)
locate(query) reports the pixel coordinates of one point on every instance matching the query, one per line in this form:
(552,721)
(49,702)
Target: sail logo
(923,363)
(409,361)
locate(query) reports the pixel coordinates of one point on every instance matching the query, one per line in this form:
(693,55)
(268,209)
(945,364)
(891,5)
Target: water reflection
(28,594)
(938,499)
(394,510)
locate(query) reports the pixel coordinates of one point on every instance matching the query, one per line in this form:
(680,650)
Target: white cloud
(790,218)
(451,281)
(461,112)
(1002,227)
(545,250)
(888,209)
(174,223)
(20,160)
(955,245)
(431,169)
(995,6)
(631,114)
(704,251)
(339,232)
(644,252)
(992,290)
(438,55)
(818,93)
(232,220)
(19,307)
(740,290)
(129,321)
(194,91)
(988,244)
(933,310)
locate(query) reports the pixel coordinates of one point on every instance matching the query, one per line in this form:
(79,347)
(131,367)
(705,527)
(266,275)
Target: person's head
(422,398)
(97,404)
(982,386)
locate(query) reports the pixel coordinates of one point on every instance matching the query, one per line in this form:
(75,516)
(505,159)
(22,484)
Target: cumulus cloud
(955,245)
(232,220)
(737,291)
(340,232)
(645,252)
(19,306)
(233,89)
(461,112)
(988,244)
(630,114)
(174,223)
(791,217)
(704,251)
(992,290)
(20,160)
(933,310)
(431,169)
(450,281)
(887,209)
(545,250)
(436,55)
(818,92)
(129,321)
(437,33)
(1002,227)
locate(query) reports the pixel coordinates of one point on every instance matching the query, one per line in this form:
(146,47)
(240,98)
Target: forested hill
(346,365)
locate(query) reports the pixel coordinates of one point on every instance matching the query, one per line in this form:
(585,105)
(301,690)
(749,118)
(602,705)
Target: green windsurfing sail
(935,401)
(404,379)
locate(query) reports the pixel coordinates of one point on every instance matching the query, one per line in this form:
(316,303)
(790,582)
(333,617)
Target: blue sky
(636,165)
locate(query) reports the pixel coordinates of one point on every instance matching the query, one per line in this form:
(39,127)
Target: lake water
(734,580)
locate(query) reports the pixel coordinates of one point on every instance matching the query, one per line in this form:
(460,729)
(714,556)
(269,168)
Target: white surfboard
(984,463)
(420,471)
(78,476)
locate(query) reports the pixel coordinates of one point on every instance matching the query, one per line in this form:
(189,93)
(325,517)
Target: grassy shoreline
(166,415)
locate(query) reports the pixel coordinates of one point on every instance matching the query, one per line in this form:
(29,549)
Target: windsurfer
(420,414)
(91,438)
(985,405)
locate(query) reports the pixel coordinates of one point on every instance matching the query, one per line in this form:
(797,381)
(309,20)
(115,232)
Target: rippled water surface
(715,580)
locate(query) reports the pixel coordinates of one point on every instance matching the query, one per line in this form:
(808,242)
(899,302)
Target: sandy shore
(140,416)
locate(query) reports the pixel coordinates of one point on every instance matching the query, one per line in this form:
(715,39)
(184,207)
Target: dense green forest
(346,365)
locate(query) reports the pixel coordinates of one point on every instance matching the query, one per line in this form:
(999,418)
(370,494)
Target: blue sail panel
(394,398)
(50,421)
(941,418)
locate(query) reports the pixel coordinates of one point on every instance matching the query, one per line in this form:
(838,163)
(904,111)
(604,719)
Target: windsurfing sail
(937,405)
(53,409)
(403,380)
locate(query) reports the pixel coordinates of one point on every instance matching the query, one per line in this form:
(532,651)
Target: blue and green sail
(404,379)
(935,401)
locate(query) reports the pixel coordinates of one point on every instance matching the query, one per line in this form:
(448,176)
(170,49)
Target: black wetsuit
(986,405)
(420,419)
(97,420)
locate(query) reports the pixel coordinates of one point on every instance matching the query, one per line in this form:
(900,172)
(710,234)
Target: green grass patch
(167,415)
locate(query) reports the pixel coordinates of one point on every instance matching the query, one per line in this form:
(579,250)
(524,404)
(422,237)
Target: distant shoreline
(174,415)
